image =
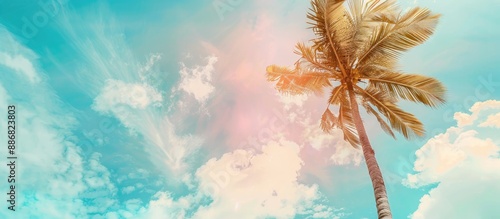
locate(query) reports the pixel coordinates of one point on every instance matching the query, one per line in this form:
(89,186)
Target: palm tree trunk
(382,202)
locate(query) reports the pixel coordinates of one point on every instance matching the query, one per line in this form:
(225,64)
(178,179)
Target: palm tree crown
(355,53)
(358,45)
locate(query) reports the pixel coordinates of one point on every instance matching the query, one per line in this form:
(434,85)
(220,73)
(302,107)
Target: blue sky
(160,109)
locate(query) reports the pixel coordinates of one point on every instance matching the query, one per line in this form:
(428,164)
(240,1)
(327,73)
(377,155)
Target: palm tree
(355,54)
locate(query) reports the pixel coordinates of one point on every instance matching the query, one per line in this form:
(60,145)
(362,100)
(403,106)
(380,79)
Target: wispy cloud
(46,148)
(121,86)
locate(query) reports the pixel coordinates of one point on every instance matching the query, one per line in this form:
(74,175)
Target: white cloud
(197,81)
(16,57)
(244,184)
(164,206)
(116,94)
(464,119)
(464,163)
(492,121)
(247,185)
(345,154)
(21,65)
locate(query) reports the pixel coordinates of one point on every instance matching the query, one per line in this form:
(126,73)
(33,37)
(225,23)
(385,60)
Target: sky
(161,109)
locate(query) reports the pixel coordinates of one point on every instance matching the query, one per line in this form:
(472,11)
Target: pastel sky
(161,109)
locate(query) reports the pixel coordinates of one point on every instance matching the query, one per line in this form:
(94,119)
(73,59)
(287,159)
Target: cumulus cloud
(163,205)
(492,121)
(464,119)
(463,162)
(243,184)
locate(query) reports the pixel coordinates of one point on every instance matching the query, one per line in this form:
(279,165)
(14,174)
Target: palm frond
(335,96)
(383,124)
(364,15)
(297,81)
(328,121)
(313,59)
(403,122)
(394,36)
(379,7)
(346,122)
(329,21)
(416,88)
